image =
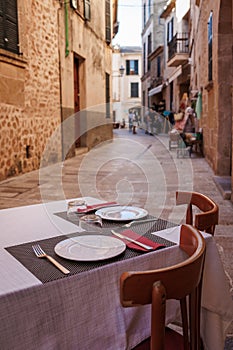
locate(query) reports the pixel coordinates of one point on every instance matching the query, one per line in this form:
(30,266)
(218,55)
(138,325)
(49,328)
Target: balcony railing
(178,45)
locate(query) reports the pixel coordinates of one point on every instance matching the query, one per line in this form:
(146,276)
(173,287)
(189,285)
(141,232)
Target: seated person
(184,121)
(185,124)
(180,121)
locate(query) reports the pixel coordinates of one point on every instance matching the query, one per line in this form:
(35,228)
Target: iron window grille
(178,45)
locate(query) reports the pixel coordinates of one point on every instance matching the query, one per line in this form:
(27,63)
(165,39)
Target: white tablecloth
(84,311)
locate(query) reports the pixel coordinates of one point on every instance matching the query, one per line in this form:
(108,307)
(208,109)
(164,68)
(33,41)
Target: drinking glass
(90,219)
(72,207)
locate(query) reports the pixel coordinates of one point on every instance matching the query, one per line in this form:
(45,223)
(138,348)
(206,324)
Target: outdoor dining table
(41,308)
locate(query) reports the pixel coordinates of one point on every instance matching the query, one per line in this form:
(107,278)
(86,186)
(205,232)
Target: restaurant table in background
(83,311)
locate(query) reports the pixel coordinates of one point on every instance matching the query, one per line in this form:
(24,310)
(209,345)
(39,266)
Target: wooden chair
(207,219)
(174,282)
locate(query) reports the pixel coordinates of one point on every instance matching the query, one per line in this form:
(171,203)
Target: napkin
(142,239)
(90,208)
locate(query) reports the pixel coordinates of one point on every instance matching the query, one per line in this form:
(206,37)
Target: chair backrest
(208,218)
(173,282)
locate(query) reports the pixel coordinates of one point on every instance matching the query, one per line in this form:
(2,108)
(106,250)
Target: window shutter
(128,67)
(136,67)
(107,21)
(1,25)
(168,32)
(9,25)
(172,27)
(87,10)
(134,89)
(144,15)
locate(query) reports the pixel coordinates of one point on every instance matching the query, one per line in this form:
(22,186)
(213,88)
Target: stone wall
(87,45)
(37,86)
(29,89)
(216,119)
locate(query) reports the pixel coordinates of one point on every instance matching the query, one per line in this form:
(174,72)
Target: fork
(41,254)
(134,222)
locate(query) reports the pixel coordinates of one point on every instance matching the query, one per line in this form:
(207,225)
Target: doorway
(77,100)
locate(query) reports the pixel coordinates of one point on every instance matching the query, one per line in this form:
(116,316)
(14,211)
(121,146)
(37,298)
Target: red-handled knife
(90,208)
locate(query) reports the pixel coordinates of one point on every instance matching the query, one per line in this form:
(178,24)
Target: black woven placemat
(46,272)
(149,227)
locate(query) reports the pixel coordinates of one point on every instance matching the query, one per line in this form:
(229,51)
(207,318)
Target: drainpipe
(66,29)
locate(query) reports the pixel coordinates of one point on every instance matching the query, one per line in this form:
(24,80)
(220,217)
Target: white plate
(121,213)
(90,248)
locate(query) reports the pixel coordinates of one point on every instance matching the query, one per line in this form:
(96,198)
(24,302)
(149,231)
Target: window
(9,26)
(170,26)
(148,65)
(149,47)
(144,15)
(158,66)
(149,44)
(149,8)
(134,89)
(107,22)
(87,9)
(144,58)
(131,67)
(171,96)
(210,47)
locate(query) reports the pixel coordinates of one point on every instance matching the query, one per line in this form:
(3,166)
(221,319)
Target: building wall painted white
(152,38)
(122,85)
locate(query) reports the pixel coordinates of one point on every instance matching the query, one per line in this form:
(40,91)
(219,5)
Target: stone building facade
(55,61)
(29,89)
(176,19)
(198,41)
(212,77)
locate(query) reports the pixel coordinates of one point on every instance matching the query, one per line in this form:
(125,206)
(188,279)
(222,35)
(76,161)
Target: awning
(156,90)
(175,74)
(135,107)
